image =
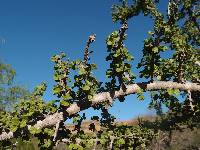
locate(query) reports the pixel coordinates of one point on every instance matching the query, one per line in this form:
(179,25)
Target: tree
(165,79)
(9,93)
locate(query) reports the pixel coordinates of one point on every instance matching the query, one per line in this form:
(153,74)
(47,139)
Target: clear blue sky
(34,30)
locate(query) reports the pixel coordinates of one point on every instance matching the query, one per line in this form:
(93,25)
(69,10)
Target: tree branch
(91,39)
(5,136)
(56,131)
(112,138)
(197,63)
(190,100)
(52,120)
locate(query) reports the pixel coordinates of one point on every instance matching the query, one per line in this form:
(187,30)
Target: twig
(190,100)
(91,39)
(56,131)
(95,144)
(112,138)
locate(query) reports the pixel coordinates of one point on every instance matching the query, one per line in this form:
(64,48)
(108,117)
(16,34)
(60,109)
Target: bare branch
(95,143)
(190,100)
(50,120)
(56,131)
(5,136)
(197,63)
(112,138)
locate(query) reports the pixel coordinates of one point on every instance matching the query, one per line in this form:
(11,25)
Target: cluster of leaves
(123,12)
(121,137)
(171,35)
(175,35)
(83,88)
(120,68)
(127,137)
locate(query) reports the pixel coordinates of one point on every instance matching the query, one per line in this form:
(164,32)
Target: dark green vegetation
(180,139)
(172,82)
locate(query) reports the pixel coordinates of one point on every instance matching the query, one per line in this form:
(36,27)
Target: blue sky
(34,30)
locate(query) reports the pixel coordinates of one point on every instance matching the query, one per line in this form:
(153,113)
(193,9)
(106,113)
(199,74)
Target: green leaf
(75,147)
(165,48)
(108,73)
(109,43)
(140,91)
(93,66)
(14,128)
(129,58)
(56,77)
(140,94)
(121,141)
(86,88)
(173,91)
(63,55)
(155,49)
(49,131)
(159,77)
(150,33)
(23,123)
(55,58)
(64,103)
(119,69)
(56,90)
(67,97)
(34,130)
(103,141)
(52,101)
(167,29)
(81,71)
(47,143)
(141,97)
(90,97)
(76,119)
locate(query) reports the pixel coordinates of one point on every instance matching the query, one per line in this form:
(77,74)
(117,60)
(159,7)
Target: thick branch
(5,136)
(197,63)
(50,120)
(106,96)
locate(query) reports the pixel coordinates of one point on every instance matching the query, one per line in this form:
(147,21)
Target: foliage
(175,33)
(9,93)
(84,86)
